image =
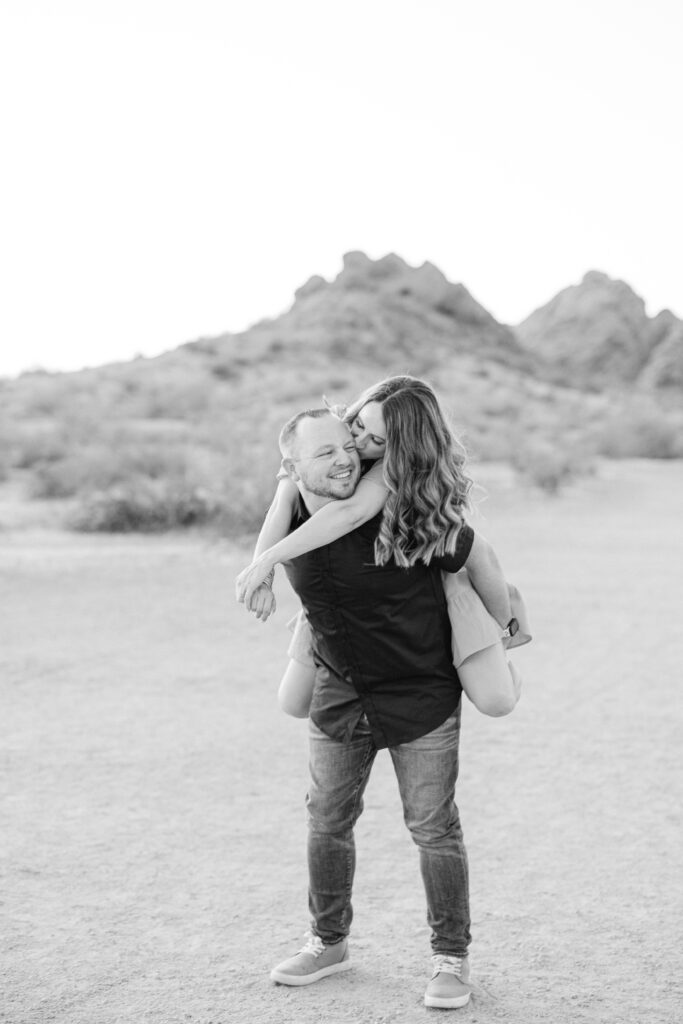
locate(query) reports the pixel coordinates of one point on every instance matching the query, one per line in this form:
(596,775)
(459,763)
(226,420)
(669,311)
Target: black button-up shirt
(381,637)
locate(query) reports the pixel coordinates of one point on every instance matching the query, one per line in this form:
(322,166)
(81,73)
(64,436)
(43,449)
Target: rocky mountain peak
(595,333)
(391,278)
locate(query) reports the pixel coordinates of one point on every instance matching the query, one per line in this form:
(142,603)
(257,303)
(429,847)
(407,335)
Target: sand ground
(153,864)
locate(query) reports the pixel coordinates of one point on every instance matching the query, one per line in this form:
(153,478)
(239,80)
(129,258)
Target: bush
(145,507)
(641,430)
(108,463)
(31,445)
(550,466)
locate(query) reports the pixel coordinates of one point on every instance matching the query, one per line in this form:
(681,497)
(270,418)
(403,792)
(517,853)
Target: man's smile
(341,475)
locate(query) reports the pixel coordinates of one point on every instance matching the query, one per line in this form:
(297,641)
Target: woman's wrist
(267,564)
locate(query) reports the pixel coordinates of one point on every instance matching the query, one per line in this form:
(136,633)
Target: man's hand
(262,602)
(250,579)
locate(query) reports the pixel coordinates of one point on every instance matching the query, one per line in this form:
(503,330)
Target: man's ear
(287,468)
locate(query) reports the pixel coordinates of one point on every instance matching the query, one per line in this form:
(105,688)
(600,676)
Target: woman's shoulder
(373,471)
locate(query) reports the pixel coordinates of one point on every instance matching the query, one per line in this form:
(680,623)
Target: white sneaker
(448,987)
(314,961)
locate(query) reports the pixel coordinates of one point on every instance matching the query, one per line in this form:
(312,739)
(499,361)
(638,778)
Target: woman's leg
(490,681)
(296,689)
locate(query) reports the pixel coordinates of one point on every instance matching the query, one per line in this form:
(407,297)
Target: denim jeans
(426,769)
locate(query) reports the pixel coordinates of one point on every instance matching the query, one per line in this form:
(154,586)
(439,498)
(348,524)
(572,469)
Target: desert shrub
(31,444)
(82,471)
(42,394)
(56,479)
(550,465)
(224,371)
(110,462)
(641,430)
(156,431)
(145,506)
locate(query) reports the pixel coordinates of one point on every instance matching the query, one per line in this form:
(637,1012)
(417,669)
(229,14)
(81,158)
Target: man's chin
(343,488)
(341,491)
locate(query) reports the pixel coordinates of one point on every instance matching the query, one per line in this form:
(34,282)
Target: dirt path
(152,823)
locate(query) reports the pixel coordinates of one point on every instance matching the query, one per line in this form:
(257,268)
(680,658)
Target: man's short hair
(287,439)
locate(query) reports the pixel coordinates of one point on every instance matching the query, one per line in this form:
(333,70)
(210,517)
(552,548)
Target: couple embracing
(404,606)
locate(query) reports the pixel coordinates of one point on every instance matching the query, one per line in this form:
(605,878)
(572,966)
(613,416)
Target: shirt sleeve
(463,546)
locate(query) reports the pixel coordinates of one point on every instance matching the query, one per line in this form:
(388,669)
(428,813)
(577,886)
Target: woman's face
(369,431)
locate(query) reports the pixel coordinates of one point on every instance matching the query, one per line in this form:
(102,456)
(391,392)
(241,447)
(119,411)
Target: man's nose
(344,458)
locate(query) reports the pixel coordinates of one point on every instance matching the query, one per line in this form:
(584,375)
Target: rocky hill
(381,311)
(192,433)
(597,335)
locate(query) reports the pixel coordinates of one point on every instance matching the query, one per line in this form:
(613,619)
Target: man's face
(325,463)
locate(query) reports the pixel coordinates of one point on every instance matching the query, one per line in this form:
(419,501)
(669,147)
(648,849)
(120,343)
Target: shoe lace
(447,965)
(314,945)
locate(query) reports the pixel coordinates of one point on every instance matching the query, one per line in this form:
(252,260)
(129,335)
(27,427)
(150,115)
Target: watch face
(513,626)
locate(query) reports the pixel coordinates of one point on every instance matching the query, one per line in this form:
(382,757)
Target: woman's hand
(262,603)
(260,571)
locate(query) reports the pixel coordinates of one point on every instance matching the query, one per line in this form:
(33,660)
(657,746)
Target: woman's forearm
(329,523)
(275,526)
(278,519)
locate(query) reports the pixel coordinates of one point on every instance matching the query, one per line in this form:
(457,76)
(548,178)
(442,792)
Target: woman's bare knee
(496,705)
(293,705)
(487,680)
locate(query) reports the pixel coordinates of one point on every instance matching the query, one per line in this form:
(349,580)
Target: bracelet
(268,581)
(511,628)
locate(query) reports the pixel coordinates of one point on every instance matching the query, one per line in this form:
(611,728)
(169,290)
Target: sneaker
(448,987)
(314,961)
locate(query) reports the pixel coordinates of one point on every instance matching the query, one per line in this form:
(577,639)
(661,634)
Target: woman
(415,476)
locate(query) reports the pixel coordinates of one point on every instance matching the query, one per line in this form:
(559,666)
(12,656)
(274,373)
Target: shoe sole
(448,1004)
(309,979)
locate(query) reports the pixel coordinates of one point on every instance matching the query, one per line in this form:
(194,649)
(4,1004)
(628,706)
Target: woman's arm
(329,523)
(486,576)
(278,517)
(275,526)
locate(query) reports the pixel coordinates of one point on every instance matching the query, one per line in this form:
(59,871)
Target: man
(385,679)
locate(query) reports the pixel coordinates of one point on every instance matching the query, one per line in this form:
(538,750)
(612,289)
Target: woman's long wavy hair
(423,470)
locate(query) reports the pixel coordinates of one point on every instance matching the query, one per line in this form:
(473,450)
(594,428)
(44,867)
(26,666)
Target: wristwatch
(511,628)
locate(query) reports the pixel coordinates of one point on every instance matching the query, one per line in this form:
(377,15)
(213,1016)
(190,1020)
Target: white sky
(176,169)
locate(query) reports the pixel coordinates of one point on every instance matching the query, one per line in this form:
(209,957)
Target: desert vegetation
(189,438)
